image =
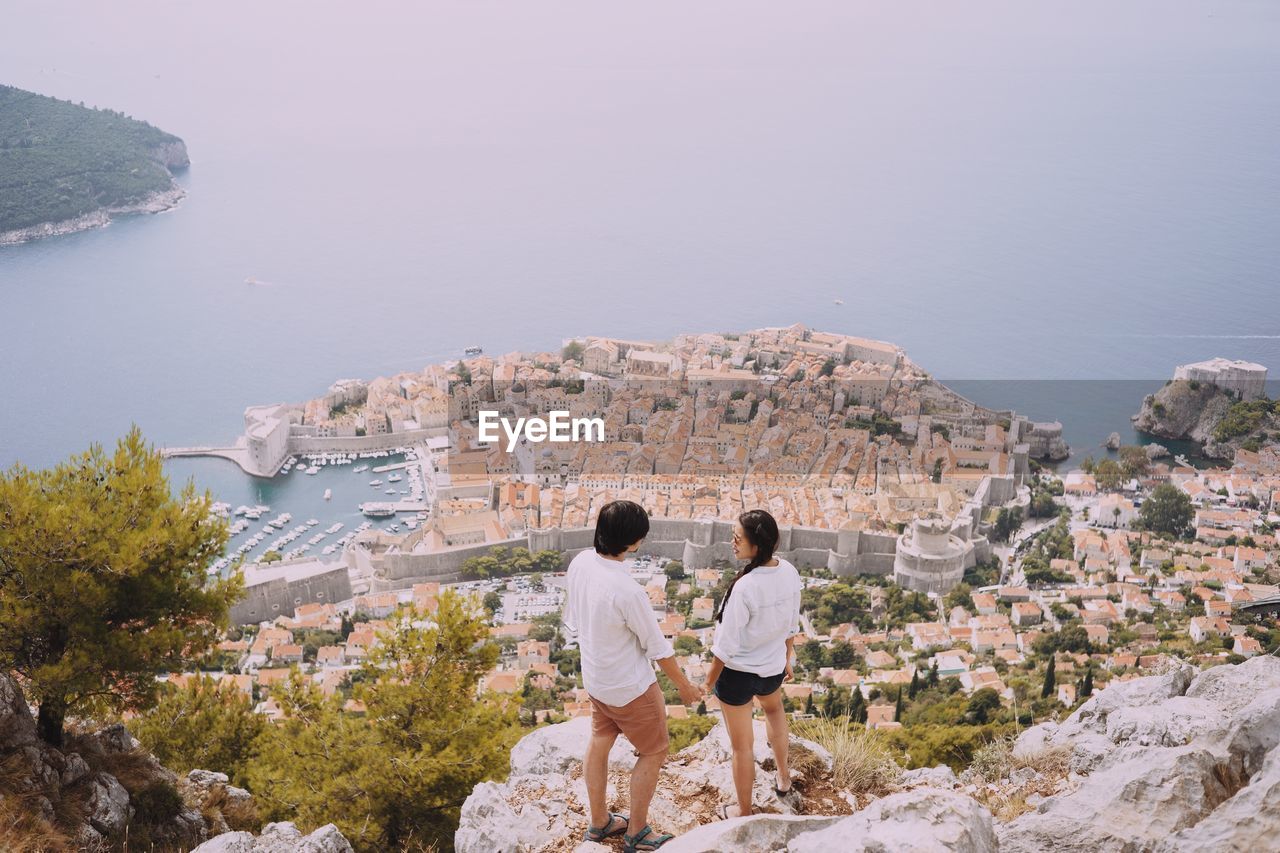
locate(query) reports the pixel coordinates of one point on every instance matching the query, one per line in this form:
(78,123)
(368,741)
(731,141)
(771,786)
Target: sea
(1048,204)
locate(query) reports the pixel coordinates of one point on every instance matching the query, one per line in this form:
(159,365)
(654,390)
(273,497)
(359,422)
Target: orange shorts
(643,721)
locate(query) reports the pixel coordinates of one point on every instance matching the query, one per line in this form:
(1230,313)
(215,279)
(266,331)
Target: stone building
(1245,378)
(930,557)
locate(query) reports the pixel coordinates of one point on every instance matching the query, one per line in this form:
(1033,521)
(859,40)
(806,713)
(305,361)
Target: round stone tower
(930,558)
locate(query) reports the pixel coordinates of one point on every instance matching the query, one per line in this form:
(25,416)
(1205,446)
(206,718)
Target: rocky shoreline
(157,202)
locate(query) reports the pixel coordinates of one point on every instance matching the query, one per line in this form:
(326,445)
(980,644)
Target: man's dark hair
(620,525)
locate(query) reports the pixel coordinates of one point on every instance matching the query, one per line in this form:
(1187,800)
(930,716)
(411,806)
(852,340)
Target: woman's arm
(791,648)
(717,667)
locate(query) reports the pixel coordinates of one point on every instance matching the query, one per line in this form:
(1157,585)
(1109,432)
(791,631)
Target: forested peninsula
(65,167)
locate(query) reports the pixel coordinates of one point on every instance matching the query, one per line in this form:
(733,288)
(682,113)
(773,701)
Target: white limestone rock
(1132,806)
(74,769)
(923,820)
(941,776)
(228,842)
(1173,722)
(488,822)
(207,778)
(1035,740)
(1248,821)
(757,832)
(17,726)
(279,838)
(554,749)
(706,767)
(1232,687)
(108,805)
(1156,451)
(1140,692)
(1253,732)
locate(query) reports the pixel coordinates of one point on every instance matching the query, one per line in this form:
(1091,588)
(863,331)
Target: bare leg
(775,718)
(595,769)
(644,780)
(737,719)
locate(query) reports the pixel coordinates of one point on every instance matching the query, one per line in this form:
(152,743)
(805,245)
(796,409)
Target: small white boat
(328,494)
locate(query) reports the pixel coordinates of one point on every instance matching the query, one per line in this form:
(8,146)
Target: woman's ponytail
(761,531)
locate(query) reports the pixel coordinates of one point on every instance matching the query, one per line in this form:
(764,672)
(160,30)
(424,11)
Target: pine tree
(103,580)
(702,709)
(898,707)
(915,685)
(402,769)
(204,724)
(1049,683)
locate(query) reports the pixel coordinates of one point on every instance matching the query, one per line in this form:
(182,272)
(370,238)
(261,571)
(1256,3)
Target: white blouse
(762,613)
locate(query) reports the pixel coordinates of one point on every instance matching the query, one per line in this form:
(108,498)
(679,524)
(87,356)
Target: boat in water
(328,494)
(374,509)
(472,351)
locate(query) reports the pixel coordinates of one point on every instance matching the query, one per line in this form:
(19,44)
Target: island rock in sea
(52,160)
(1187,760)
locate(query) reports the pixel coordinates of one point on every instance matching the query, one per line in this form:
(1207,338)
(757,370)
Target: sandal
(644,841)
(599,834)
(722,812)
(783,792)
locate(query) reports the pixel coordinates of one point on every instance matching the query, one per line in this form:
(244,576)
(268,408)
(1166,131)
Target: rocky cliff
(102,787)
(1179,762)
(1183,410)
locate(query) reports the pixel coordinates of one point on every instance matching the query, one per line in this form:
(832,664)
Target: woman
(759,618)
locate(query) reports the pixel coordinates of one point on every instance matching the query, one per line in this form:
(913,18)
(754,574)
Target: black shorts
(734,687)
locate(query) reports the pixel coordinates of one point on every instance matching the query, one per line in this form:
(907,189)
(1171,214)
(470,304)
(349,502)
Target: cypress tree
(915,685)
(1049,683)
(898,706)
(857,707)
(933,674)
(1087,689)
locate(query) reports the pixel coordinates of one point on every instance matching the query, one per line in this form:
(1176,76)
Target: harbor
(317,504)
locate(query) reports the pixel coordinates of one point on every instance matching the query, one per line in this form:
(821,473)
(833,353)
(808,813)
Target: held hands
(689,693)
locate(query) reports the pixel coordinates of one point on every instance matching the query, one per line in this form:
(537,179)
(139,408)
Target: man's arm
(689,693)
(640,619)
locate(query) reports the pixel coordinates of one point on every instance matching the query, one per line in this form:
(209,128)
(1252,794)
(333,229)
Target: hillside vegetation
(60,160)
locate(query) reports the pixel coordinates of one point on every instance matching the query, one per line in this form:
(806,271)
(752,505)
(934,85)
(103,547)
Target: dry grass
(238,814)
(134,769)
(995,762)
(861,761)
(23,828)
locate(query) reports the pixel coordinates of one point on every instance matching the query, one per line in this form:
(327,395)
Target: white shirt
(763,611)
(610,618)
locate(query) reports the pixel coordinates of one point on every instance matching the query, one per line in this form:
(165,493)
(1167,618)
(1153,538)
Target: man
(608,614)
